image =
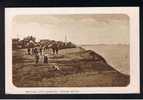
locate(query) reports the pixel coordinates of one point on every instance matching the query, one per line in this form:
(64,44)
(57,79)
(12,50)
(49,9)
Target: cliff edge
(74,67)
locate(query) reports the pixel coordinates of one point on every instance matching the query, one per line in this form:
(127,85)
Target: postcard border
(136,41)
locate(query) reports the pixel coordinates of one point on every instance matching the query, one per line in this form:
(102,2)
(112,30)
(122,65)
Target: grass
(76,69)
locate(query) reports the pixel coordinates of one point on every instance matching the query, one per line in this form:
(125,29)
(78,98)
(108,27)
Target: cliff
(73,67)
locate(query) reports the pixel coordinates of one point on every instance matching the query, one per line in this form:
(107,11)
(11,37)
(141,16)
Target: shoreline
(116,55)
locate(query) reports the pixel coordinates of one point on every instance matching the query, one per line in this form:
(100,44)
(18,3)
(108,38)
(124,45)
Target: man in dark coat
(54,48)
(28,50)
(41,51)
(36,55)
(45,59)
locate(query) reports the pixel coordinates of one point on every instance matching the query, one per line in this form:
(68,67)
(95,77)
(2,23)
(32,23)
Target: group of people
(54,47)
(37,52)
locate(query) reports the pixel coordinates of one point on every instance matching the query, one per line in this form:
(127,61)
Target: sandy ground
(71,68)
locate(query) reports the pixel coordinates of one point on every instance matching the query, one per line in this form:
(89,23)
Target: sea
(116,55)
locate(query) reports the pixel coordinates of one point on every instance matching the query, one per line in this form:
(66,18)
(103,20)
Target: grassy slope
(77,68)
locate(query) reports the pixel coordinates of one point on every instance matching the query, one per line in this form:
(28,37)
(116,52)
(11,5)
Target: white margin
(133,87)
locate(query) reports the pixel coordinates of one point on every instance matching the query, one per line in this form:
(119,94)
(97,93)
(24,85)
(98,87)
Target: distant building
(15,41)
(45,42)
(28,41)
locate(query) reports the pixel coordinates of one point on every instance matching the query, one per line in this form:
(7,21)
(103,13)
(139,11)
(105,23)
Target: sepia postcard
(90,50)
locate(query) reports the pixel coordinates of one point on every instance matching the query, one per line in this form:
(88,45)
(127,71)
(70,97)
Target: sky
(79,28)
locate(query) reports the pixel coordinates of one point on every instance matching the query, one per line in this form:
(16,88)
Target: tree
(29,38)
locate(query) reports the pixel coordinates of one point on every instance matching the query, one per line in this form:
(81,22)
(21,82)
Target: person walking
(40,51)
(32,51)
(56,49)
(28,51)
(45,59)
(36,56)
